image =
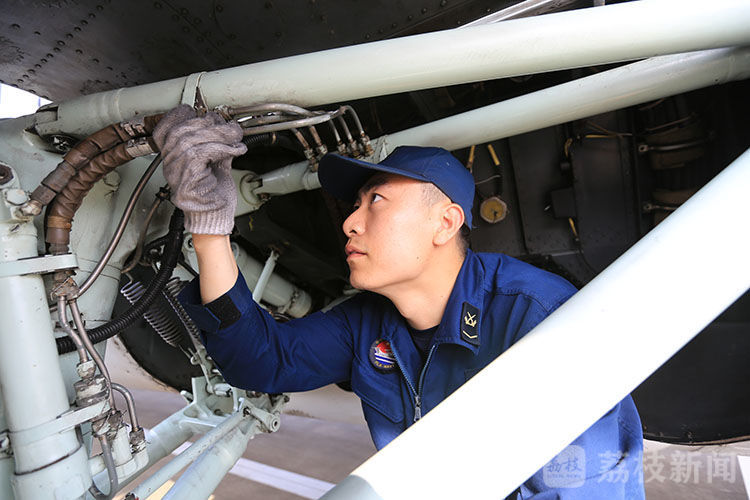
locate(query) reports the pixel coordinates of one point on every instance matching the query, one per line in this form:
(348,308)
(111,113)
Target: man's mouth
(353,252)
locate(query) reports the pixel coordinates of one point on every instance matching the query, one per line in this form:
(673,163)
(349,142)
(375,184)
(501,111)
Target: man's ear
(450,220)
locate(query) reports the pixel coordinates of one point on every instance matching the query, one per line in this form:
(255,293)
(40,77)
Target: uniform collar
(463,315)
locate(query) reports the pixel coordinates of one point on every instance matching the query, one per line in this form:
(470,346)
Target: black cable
(252,141)
(172,251)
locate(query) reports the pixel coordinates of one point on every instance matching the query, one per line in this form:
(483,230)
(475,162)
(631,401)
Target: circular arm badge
(381,355)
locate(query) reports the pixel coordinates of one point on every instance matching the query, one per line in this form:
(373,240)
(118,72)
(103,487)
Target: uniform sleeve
(255,352)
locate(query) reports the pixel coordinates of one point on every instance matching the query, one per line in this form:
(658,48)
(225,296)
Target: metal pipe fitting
(78,320)
(130,403)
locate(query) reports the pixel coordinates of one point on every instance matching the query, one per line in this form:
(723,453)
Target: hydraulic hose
(172,251)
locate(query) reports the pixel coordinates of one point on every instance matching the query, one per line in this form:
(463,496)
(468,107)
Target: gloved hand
(197,158)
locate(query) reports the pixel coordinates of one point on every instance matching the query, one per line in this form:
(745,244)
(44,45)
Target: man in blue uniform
(432,312)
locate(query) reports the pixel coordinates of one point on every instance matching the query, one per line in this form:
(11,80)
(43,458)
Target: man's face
(390,233)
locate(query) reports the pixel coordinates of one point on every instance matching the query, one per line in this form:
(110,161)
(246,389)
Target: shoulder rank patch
(381,355)
(470,324)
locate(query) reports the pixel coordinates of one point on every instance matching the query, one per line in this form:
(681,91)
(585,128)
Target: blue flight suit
(496,300)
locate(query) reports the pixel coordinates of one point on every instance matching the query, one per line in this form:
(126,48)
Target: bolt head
(16,197)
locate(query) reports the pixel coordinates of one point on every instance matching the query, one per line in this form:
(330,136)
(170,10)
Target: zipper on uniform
(417,399)
(418,395)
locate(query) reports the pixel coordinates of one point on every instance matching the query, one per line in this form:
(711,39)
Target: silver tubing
(269,108)
(64,323)
(109,463)
(121,226)
(78,320)
(130,402)
(286,125)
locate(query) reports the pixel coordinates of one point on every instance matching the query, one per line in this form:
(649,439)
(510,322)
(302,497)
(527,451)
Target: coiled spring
(158,317)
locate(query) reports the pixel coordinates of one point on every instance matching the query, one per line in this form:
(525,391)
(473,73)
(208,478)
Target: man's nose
(353,224)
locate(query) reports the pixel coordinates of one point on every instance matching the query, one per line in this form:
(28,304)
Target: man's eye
(376,197)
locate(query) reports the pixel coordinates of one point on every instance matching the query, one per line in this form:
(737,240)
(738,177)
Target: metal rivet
(99,8)
(77,29)
(56,49)
(331,32)
(37,33)
(79,51)
(49,55)
(95,60)
(68,36)
(15,26)
(393,25)
(185,29)
(424,10)
(24,75)
(219,8)
(367,36)
(37,66)
(409,17)
(184,11)
(443,3)
(84,22)
(60,43)
(109,68)
(175,17)
(232,36)
(32,71)
(199,39)
(92,15)
(43,61)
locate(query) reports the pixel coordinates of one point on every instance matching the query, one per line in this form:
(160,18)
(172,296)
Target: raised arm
(250,347)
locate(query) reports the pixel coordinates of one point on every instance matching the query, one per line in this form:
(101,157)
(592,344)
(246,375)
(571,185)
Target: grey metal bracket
(62,423)
(38,265)
(191,93)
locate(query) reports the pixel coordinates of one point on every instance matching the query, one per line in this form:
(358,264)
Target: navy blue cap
(343,177)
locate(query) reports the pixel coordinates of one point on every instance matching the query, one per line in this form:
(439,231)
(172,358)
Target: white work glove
(197,157)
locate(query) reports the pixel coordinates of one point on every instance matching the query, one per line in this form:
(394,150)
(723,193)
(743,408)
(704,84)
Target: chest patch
(470,324)
(381,355)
